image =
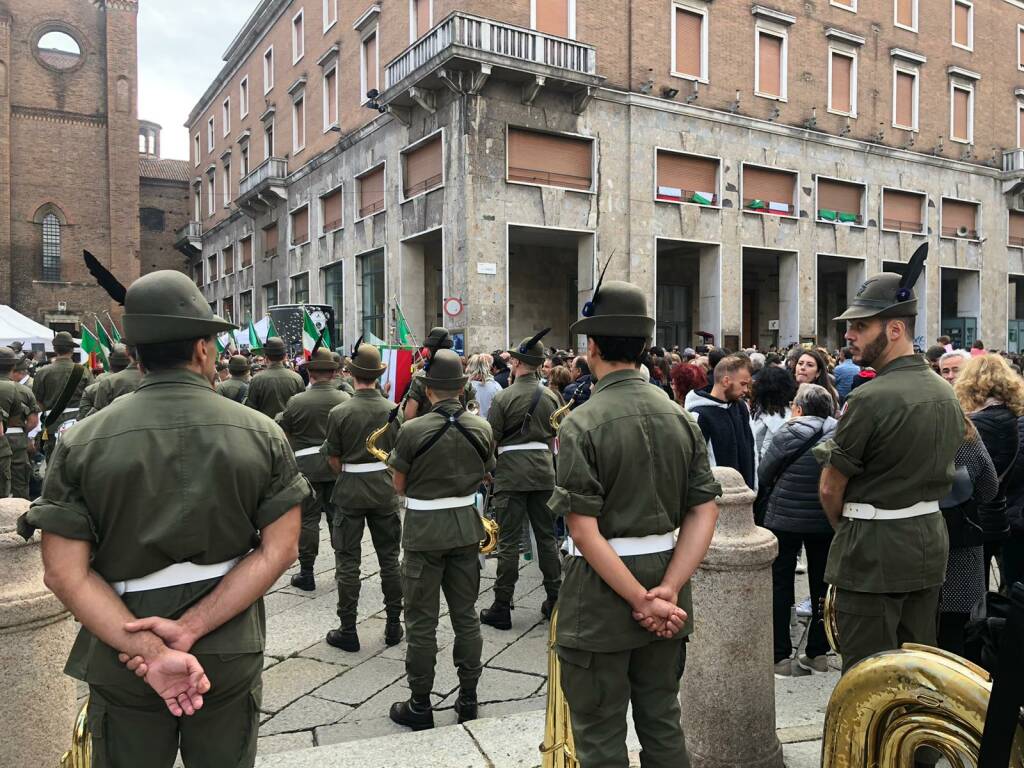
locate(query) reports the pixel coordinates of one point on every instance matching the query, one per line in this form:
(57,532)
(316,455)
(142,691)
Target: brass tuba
(80,754)
(891,704)
(557,749)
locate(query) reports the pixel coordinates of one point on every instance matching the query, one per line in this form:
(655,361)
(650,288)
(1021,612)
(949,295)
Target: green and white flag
(309,335)
(92,347)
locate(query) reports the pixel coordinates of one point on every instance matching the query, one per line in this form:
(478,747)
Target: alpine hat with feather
(167,306)
(531,351)
(888,294)
(322,360)
(616,309)
(446,372)
(365,362)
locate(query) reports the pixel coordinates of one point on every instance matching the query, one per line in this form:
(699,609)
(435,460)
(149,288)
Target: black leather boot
(304,580)
(499,615)
(466,706)
(548,606)
(393,632)
(414,713)
(346,638)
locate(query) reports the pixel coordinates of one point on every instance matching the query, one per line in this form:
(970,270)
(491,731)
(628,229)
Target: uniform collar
(904,362)
(451,405)
(274,364)
(615,377)
(368,393)
(329,384)
(175,376)
(528,378)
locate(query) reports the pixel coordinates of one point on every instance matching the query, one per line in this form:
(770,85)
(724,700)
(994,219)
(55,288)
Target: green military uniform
(22,366)
(49,383)
(520,417)
(270,390)
(237,387)
(888,572)
(181,511)
(15,409)
(304,420)
(637,462)
(364,496)
(437,339)
(126,378)
(17,430)
(87,403)
(441,539)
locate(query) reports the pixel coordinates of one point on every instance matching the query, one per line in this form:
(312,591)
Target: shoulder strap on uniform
(525,426)
(449,422)
(65,395)
(242,392)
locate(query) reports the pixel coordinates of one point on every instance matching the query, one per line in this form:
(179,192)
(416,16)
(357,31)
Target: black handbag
(764,490)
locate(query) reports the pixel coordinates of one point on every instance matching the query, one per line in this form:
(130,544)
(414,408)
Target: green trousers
(510,510)
(869,623)
(132,727)
(600,686)
(424,576)
(5,476)
(347,537)
(21,467)
(313,508)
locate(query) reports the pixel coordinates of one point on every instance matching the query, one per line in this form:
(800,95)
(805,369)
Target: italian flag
(92,347)
(399,372)
(309,335)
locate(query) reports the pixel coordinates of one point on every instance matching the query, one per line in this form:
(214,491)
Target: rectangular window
(270,241)
(196,149)
(243,97)
(959,219)
(210,137)
(51,248)
(331,211)
(846,5)
(771,65)
(1016,229)
(421,19)
(550,159)
(1020,47)
(243,166)
(963,24)
(299,124)
(767,190)
(330,13)
(245,307)
(961,121)
(689,42)
(245,245)
(298,37)
(902,211)
(197,272)
(226,116)
(330,98)
(300,225)
(270,295)
(842,84)
(371,192)
(226,184)
(334,295)
(228,257)
(840,202)
(371,274)
(687,178)
(904,99)
(228,305)
(211,269)
(268,69)
(554,17)
(197,208)
(268,140)
(211,194)
(423,167)
(300,289)
(905,14)
(1020,125)
(369,66)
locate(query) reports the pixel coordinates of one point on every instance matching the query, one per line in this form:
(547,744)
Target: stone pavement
(325,707)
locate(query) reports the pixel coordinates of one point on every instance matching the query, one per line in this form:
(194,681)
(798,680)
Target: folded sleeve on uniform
(331,446)
(286,486)
(701,485)
(61,509)
(577,489)
(397,459)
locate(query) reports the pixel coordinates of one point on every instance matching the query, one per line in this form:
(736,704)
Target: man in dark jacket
(724,419)
(794,514)
(582,381)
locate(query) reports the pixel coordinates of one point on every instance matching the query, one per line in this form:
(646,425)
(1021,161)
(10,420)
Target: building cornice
(771,14)
(962,73)
(57,116)
(832,33)
(903,53)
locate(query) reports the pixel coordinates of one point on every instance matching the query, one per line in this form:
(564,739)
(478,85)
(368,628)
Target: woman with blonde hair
(992,396)
(484,386)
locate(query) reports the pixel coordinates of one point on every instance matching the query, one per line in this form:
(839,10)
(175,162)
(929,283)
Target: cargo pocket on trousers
(579,680)
(861,623)
(96,719)
(248,752)
(412,573)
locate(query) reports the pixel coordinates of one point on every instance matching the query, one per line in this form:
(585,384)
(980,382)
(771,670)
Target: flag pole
(113,326)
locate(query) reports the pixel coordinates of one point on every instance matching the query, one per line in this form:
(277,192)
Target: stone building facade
(69,168)
(745,164)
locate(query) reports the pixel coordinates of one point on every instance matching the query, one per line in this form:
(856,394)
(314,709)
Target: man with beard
(890,462)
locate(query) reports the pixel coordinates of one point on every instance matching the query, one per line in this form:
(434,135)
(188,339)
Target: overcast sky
(181,49)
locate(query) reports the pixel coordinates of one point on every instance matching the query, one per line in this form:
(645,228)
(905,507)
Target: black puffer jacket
(1015,487)
(997,426)
(794,505)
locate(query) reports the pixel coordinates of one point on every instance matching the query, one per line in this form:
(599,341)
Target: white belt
(174,575)
(307,451)
(536,446)
(69,410)
(857,511)
(14,431)
(632,545)
(358,469)
(448,502)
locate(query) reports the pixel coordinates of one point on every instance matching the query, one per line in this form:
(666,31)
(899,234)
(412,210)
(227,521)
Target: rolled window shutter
(542,158)
(332,211)
(688,174)
(270,237)
(842,71)
(553,17)
(769,186)
(958,215)
(839,196)
(423,167)
(904,100)
(1017,228)
(422,17)
(371,192)
(1020,47)
(229,260)
(905,12)
(688,42)
(961,23)
(247,252)
(902,211)
(961,103)
(300,225)
(331,87)
(770,65)
(370,64)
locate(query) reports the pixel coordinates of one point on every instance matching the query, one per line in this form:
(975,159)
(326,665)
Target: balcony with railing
(463,50)
(189,239)
(263,186)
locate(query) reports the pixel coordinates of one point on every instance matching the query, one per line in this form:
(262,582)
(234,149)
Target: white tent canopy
(14,326)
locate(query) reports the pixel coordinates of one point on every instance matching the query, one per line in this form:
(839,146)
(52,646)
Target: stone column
(728,691)
(37,708)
